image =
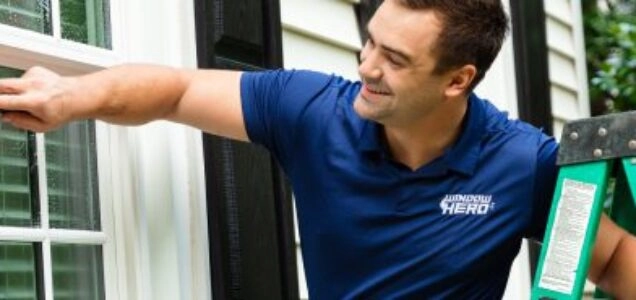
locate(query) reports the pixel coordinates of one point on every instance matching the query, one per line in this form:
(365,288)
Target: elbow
(618,276)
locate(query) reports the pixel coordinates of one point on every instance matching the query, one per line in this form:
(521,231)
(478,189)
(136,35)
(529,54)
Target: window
(83,21)
(52,238)
(55,226)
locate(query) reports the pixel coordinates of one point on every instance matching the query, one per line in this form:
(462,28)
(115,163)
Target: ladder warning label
(567,236)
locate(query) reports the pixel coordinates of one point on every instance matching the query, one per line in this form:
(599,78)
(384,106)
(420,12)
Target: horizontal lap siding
(567,62)
(321,35)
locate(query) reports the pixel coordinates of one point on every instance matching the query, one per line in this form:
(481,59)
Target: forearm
(619,275)
(127,94)
(210,100)
(613,265)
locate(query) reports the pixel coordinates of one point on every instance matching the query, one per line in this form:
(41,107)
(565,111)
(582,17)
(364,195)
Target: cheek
(400,86)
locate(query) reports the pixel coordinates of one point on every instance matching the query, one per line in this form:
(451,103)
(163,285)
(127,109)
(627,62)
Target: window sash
(21,49)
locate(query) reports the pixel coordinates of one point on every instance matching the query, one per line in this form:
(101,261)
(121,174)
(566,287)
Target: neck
(419,142)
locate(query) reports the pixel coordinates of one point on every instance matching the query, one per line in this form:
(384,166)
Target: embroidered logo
(462,204)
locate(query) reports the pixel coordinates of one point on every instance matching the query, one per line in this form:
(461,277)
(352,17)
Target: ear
(459,81)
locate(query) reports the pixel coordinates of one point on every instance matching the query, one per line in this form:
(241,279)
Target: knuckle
(34,70)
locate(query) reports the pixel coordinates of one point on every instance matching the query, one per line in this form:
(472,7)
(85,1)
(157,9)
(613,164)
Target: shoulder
(296,82)
(516,141)
(500,127)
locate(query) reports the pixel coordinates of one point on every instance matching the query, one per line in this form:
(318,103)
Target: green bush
(610,38)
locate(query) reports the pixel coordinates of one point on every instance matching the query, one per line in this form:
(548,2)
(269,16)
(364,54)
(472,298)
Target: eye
(395,61)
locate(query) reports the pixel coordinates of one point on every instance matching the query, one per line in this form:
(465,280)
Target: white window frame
(22,49)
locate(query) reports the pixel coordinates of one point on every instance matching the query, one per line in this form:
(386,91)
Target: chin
(363,111)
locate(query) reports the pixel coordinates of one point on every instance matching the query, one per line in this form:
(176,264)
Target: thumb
(25,121)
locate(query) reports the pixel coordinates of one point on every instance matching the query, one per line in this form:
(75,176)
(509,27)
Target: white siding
(158,175)
(321,35)
(568,75)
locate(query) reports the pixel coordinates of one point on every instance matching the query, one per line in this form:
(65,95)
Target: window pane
(16,207)
(77,272)
(9,72)
(87,22)
(17,271)
(17,196)
(71,168)
(27,14)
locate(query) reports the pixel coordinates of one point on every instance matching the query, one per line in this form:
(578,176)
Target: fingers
(16,102)
(38,71)
(32,78)
(25,121)
(14,85)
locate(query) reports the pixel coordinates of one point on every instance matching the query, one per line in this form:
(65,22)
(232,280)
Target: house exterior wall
(157,169)
(568,75)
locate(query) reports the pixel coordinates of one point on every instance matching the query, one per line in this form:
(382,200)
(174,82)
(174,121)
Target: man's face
(396,66)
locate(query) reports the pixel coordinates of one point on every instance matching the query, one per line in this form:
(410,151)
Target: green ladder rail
(594,153)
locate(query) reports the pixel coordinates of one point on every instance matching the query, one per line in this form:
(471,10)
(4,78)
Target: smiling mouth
(375,90)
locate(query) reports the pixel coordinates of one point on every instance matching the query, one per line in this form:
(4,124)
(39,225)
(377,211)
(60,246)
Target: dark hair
(472,33)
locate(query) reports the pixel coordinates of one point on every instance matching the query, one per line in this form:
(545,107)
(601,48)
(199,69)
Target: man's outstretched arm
(613,266)
(128,95)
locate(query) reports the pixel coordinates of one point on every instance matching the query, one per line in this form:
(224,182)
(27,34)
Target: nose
(369,68)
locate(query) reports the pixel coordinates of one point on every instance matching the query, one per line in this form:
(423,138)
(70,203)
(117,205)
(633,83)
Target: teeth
(378,91)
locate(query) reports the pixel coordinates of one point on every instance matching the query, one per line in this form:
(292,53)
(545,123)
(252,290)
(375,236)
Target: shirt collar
(462,157)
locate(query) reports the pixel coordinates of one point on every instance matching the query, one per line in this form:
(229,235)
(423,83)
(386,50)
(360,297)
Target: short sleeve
(275,102)
(545,178)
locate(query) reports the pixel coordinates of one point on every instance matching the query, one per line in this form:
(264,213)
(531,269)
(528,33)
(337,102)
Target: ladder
(594,153)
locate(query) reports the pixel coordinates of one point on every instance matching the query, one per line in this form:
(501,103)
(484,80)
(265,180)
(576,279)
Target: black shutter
(251,229)
(364,11)
(531,63)
(533,82)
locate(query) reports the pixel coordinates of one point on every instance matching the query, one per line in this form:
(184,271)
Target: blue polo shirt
(370,227)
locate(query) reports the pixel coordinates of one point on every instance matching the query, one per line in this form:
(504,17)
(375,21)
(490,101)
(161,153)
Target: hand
(36,101)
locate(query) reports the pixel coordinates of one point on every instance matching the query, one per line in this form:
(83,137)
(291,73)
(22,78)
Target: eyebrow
(395,51)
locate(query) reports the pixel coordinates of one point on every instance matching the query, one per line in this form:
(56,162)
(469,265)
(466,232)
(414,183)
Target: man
(407,185)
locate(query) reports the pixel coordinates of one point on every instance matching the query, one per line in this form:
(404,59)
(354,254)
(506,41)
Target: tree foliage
(610,38)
